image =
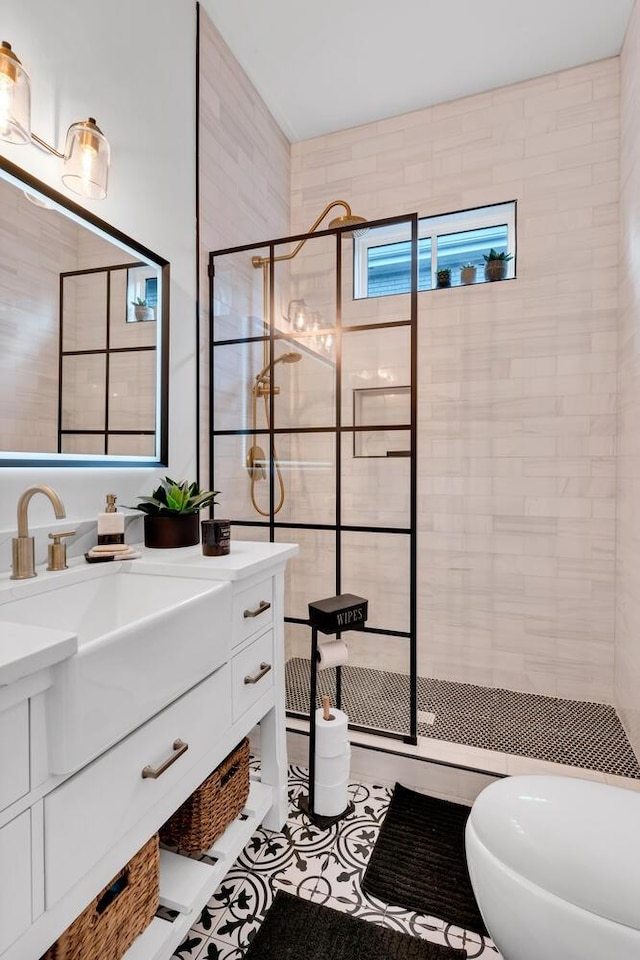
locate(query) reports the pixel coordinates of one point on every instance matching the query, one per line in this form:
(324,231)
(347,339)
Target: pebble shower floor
(573,732)
(325,866)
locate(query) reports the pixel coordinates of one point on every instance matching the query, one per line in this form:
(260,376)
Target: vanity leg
(273,733)
(273,760)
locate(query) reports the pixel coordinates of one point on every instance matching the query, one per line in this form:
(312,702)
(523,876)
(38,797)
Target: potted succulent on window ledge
(172,513)
(444,277)
(468,273)
(495,264)
(141,310)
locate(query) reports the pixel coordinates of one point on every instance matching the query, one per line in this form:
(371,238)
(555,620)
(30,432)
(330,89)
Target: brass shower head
(291,357)
(348,219)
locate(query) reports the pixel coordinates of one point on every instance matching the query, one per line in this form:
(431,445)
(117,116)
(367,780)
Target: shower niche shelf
(382,407)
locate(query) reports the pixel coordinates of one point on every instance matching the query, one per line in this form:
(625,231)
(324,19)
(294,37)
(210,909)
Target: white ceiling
(324,65)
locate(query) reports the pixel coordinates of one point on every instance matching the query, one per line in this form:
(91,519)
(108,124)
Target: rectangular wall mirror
(84,335)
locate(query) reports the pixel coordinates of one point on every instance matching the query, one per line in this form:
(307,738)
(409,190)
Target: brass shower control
(264,389)
(58,550)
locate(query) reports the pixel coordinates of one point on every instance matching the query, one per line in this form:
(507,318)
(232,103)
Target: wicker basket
(206,814)
(120,913)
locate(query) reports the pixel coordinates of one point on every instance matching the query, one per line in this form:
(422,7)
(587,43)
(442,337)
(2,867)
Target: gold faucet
(23,553)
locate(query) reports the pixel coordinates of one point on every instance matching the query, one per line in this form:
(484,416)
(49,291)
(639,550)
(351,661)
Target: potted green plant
(172,513)
(444,277)
(468,273)
(495,264)
(141,309)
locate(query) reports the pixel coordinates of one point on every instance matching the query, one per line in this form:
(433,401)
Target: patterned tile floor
(573,732)
(325,866)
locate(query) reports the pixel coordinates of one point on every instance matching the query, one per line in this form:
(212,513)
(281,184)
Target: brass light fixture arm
(47,146)
(262,261)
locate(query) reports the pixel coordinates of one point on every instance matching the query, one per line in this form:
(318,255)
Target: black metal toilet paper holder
(330,616)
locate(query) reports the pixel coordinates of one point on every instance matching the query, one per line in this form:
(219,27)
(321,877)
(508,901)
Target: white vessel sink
(143,639)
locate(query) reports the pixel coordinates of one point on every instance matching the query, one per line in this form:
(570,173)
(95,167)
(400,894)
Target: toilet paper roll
(332,736)
(333,769)
(332,654)
(331,799)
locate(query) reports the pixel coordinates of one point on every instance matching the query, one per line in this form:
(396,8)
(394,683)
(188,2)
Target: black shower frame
(338,430)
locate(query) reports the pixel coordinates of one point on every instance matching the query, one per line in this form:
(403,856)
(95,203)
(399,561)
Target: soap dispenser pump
(111,523)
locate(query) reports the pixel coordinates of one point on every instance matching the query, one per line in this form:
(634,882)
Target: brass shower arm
(348,216)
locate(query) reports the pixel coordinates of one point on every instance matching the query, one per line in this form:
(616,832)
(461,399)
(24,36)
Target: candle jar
(216,537)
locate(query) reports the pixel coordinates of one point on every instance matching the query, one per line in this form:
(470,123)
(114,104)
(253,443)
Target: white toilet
(555,867)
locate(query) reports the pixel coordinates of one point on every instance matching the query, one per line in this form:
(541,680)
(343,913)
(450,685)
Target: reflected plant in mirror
(82,380)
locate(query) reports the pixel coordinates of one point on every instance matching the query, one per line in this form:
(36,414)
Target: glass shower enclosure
(312,439)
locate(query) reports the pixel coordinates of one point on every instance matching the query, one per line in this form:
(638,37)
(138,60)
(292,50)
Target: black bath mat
(295,929)
(418,861)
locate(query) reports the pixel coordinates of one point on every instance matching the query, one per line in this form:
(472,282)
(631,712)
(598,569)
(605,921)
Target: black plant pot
(170,532)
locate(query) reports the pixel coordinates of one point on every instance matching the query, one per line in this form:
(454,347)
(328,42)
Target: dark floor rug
(418,861)
(295,929)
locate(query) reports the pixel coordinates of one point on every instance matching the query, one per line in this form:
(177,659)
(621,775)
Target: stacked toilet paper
(333,758)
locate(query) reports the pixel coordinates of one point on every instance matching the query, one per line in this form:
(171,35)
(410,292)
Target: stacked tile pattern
(628,539)
(244,177)
(517,380)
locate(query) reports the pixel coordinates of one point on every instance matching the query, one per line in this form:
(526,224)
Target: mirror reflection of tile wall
(39,249)
(29,319)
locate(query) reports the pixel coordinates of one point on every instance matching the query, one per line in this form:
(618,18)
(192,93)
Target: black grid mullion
(272,431)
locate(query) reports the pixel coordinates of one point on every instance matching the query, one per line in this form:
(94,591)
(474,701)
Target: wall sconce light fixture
(86,153)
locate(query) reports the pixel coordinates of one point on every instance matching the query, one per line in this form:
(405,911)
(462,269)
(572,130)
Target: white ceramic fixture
(143,639)
(555,867)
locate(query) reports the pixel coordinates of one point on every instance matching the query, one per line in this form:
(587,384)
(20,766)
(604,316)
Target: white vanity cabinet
(62,838)
(14,752)
(15,878)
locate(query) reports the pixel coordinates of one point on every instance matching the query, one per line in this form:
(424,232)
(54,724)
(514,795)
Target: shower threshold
(570,732)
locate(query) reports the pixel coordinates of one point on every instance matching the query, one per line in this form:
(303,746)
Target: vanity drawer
(252,673)
(14,753)
(252,610)
(15,879)
(88,814)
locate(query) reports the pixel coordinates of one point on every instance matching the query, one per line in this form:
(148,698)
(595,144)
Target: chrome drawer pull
(262,606)
(264,669)
(179,747)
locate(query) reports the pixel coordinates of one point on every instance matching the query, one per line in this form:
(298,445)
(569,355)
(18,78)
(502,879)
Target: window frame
(459,221)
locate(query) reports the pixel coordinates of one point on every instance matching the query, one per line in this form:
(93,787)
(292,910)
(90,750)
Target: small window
(389,268)
(451,251)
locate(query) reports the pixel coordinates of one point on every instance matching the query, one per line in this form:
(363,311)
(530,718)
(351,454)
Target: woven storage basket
(120,913)
(207,813)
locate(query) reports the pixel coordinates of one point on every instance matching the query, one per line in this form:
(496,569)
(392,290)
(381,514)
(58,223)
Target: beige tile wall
(35,246)
(627,674)
(517,380)
(244,191)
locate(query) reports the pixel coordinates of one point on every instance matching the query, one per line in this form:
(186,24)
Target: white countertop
(25,649)
(247,557)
